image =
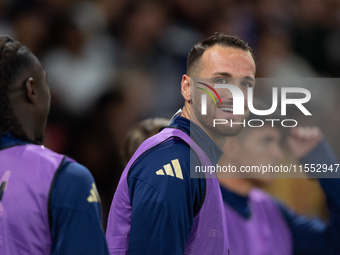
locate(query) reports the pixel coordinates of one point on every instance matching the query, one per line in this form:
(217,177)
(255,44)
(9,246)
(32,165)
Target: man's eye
(221,81)
(247,84)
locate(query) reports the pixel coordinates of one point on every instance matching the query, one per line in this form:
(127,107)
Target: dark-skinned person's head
(24,93)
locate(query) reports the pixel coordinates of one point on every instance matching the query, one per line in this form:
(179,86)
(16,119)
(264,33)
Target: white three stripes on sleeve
(168,169)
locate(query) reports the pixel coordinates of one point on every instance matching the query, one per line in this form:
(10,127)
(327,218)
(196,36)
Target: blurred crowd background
(111,63)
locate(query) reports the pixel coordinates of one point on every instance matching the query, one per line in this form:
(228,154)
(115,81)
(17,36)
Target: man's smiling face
(222,65)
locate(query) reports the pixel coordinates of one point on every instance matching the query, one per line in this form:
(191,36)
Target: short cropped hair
(15,58)
(217,39)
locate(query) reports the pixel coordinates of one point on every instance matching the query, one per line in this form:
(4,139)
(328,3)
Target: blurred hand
(302,140)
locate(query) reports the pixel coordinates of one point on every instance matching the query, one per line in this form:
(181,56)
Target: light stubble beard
(206,122)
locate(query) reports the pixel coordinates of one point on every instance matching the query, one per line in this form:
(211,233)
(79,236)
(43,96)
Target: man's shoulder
(173,145)
(34,156)
(64,166)
(74,171)
(74,178)
(38,151)
(171,157)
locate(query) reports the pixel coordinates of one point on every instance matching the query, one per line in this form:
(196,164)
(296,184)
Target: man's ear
(30,90)
(185,88)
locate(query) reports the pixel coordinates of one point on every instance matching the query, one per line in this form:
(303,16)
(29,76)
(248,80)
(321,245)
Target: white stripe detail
(160,172)
(168,170)
(177,167)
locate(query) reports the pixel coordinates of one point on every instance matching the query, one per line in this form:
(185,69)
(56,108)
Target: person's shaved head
(24,95)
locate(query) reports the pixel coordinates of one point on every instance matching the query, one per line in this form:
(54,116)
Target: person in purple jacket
(49,204)
(258,224)
(158,208)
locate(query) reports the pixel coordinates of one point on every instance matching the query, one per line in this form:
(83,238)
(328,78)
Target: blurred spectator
(5,24)
(139,133)
(333,40)
(31,27)
(311,30)
(98,137)
(58,6)
(78,68)
(276,57)
(129,101)
(139,30)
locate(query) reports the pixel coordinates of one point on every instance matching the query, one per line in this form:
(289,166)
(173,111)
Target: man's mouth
(225,109)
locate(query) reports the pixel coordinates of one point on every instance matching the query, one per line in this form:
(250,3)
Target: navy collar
(7,140)
(199,136)
(237,202)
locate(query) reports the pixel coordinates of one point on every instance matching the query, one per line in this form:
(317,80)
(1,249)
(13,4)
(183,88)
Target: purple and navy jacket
(158,208)
(48,203)
(261,225)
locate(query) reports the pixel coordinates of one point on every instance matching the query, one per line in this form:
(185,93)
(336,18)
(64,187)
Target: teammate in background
(158,208)
(259,224)
(139,133)
(49,204)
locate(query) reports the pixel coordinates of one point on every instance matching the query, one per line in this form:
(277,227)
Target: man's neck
(186,111)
